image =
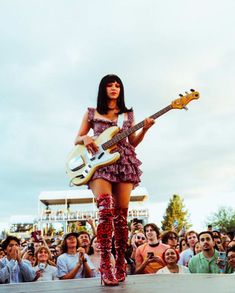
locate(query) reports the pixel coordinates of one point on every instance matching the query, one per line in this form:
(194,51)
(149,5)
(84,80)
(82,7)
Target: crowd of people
(77,255)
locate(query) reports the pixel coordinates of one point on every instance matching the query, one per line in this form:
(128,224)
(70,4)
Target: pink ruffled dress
(126,169)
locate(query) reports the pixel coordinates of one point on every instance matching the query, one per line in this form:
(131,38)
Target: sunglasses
(139,237)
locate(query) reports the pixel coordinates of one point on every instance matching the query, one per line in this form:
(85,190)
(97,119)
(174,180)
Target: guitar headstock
(185,99)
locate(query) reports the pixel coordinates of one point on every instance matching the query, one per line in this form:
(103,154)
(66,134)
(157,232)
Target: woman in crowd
(95,257)
(197,248)
(112,184)
(171,257)
(45,269)
(182,245)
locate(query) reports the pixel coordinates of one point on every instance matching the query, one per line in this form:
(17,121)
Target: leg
(121,192)
(102,189)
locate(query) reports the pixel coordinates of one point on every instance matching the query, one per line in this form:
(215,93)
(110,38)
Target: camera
(137,221)
(31,248)
(41,266)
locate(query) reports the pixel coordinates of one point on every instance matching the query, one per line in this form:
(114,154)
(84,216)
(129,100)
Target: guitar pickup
(101,155)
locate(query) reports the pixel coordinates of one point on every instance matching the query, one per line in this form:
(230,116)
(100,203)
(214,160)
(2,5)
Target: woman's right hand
(90,144)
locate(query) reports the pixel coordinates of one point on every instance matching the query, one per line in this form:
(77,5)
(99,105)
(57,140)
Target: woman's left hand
(148,122)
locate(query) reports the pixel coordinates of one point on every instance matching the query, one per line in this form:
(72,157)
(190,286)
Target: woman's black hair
(7,241)
(102,99)
(91,249)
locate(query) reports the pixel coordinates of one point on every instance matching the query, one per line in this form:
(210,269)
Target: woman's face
(197,248)
(113,90)
(95,245)
(184,245)
(170,256)
(43,255)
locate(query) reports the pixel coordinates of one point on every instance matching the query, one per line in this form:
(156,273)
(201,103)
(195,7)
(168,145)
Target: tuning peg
(186,93)
(185,108)
(180,95)
(192,90)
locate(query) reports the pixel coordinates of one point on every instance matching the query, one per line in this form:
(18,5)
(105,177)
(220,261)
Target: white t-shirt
(67,262)
(182,270)
(48,274)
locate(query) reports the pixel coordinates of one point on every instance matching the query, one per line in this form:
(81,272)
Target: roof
(83,196)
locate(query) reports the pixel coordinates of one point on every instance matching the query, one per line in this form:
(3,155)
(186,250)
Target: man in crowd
(84,240)
(73,264)
(12,268)
(148,255)
(205,261)
(191,238)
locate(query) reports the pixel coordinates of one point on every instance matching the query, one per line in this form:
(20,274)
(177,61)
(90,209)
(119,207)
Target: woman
(95,257)
(197,248)
(112,184)
(171,257)
(183,245)
(45,269)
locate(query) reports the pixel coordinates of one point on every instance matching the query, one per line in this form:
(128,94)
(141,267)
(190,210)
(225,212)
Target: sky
(53,56)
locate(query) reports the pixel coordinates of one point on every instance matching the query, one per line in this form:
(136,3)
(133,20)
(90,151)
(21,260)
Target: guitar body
(81,165)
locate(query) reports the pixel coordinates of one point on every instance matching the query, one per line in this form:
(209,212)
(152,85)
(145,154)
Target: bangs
(110,78)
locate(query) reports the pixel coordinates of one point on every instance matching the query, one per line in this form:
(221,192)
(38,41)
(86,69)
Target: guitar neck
(131,130)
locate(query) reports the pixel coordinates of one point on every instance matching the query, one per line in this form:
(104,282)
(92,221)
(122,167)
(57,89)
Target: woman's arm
(136,138)
(83,138)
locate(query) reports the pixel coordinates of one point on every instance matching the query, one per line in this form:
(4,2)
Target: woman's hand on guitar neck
(90,144)
(148,122)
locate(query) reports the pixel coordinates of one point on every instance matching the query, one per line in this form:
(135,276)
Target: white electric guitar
(81,164)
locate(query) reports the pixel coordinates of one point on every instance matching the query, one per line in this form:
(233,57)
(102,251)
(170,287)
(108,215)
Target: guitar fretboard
(124,134)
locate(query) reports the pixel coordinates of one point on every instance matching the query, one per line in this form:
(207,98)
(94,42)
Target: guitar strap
(120,120)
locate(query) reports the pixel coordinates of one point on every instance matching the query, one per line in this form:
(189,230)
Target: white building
(64,208)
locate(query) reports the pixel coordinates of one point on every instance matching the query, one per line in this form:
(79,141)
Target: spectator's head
(94,246)
(216,233)
(182,245)
(206,240)
(139,238)
(218,243)
(197,248)
(191,238)
(70,242)
(2,253)
(170,238)
(170,256)
(231,257)
(209,227)
(43,255)
(225,241)
(84,239)
(151,232)
(11,242)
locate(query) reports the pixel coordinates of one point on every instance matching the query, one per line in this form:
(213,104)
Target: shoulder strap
(120,120)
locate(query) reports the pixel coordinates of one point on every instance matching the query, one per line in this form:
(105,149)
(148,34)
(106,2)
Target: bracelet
(85,260)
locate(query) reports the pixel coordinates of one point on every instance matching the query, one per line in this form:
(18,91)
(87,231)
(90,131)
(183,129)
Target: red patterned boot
(104,238)
(121,238)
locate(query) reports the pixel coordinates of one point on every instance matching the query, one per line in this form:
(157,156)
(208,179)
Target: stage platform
(134,284)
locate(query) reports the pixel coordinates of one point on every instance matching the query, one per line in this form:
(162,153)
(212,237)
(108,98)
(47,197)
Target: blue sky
(53,55)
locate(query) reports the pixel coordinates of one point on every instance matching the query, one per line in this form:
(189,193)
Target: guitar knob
(180,95)
(186,93)
(192,90)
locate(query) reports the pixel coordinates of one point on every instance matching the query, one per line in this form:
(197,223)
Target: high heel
(104,238)
(120,237)
(108,280)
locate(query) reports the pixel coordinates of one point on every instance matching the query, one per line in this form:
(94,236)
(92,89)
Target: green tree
(223,219)
(176,216)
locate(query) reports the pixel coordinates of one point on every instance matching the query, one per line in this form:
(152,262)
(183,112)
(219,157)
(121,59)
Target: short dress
(126,169)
